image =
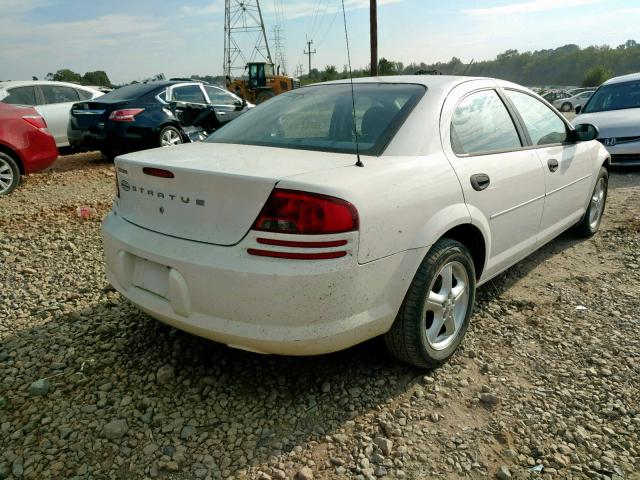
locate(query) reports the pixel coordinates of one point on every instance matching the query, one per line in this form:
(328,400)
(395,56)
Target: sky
(135,39)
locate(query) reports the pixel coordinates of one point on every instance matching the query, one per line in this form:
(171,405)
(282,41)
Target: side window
(59,94)
(220,97)
(188,94)
(542,123)
(84,95)
(21,96)
(482,124)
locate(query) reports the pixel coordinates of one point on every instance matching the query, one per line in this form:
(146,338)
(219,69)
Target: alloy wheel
(6,176)
(597,203)
(446,305)
(170,137)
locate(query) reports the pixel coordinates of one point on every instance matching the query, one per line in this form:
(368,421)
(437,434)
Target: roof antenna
(353,96)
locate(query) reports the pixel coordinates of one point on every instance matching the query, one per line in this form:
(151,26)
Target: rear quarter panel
(403,202)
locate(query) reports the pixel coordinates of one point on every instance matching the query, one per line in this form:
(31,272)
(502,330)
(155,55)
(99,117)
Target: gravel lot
(548,376)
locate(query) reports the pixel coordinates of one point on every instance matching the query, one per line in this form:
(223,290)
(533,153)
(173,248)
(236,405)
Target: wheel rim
(597,203)
(446,305)
(170,137)
(6,176)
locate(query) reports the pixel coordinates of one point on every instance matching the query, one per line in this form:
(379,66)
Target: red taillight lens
(291,211)
(125,115)
(157,172)
(36,120)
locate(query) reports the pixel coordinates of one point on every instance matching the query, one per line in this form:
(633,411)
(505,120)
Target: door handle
(480,181)
(553,164)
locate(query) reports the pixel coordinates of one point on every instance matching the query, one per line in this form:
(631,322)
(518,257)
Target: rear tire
(9,174)
(170,136)
(566,107)
(590,223)
(265,95)
(434,316)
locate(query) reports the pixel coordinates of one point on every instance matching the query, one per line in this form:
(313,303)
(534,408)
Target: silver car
(53,101)
(570,103)
(615,110)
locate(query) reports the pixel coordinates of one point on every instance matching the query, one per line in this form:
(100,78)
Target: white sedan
(288,233)
(53,100)
(571,103)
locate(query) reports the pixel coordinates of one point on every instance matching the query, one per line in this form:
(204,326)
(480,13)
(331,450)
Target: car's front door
(55,105)
(226,105)
(502,182)
(567,165)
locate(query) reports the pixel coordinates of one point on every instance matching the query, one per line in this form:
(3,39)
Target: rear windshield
(616,96)
(130,92)
(321,118)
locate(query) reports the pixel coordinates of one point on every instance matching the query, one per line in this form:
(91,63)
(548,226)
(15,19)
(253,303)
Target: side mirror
(578,109)
(586,132)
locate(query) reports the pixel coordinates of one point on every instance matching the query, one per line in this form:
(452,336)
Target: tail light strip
(296,244)
(297,255)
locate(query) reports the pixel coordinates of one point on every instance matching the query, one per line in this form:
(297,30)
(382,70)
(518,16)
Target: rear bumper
(115,139)
(40,151)
(265,305)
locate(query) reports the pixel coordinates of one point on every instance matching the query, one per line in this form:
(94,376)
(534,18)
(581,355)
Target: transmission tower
(245,39)
(278,44)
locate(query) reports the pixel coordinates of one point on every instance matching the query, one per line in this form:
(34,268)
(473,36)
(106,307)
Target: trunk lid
(217,190)
(92,116)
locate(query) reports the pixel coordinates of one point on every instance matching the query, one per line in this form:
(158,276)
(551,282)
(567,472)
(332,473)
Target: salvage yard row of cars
(335,213)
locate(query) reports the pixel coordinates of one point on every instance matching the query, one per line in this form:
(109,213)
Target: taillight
(125,115)
(36,120)
(292,211)
(117,186)
(157,172)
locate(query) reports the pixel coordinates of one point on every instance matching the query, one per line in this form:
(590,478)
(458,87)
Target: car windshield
(616,96)
(321,118)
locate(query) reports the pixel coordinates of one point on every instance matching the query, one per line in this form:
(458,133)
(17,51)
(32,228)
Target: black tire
(173,132)
(265,95)
(407,338)
(566,107)
(9,174)
(587,227)
(109,155)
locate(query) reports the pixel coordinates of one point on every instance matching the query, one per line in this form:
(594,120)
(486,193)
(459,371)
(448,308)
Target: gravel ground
(547,378)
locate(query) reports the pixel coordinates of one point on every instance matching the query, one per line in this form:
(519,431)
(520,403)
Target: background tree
(66,75)
(596,76)
(98,77)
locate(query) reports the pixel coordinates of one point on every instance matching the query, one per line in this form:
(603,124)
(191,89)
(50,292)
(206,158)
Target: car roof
(442,83)
(27,83)
(624,78)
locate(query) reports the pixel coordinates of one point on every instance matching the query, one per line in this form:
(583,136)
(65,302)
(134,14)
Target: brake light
(125,115)
(292,211)
(117,186)
(36,120)
(157,172)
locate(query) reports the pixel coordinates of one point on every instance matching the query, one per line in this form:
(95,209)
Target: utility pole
(309,52)
(373,19)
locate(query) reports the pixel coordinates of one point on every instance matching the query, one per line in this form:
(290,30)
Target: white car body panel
(191,268)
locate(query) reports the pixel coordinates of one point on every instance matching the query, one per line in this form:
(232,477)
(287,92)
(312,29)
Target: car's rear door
(55,108)
(226,105)
(567,165)
(502,180)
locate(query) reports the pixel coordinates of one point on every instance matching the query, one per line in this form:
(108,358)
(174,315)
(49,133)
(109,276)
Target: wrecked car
(149,115)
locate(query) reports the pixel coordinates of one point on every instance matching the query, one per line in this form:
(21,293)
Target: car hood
(615,123)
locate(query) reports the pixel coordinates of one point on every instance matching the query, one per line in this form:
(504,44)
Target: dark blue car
(149,115)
